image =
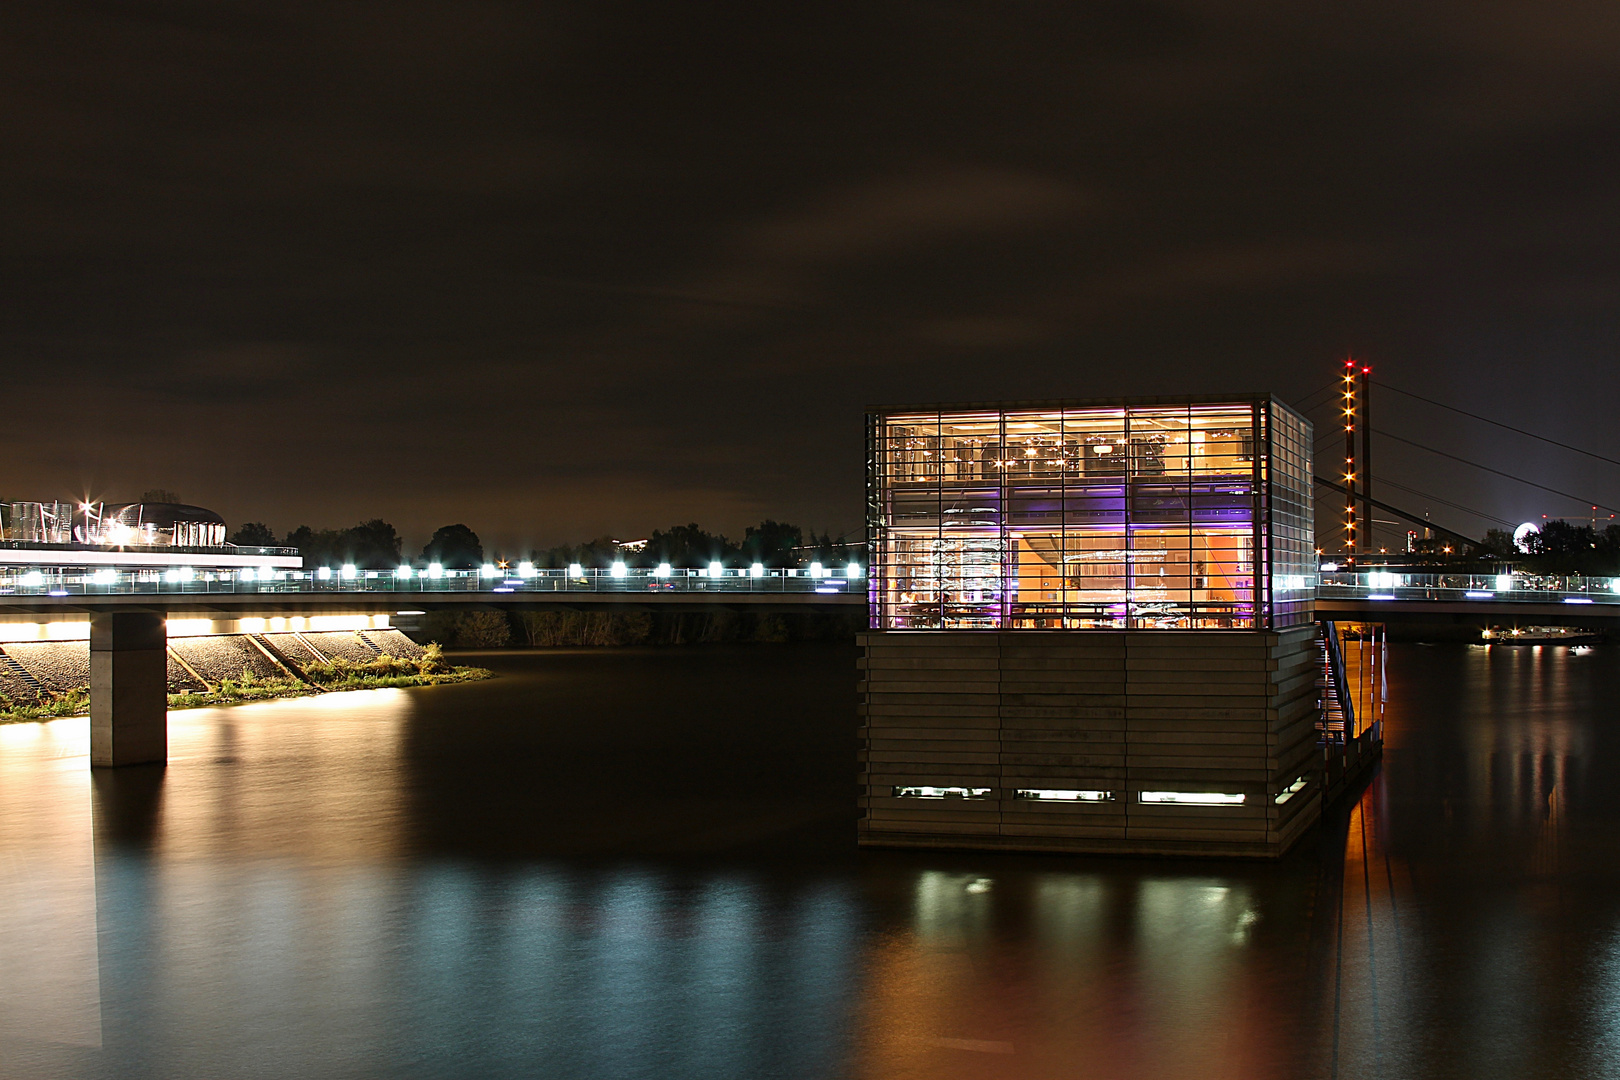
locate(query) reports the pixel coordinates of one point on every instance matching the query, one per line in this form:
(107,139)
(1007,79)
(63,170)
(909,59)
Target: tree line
(1561,547)
(377,545)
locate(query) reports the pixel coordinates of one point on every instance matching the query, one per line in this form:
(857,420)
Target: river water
(641,863)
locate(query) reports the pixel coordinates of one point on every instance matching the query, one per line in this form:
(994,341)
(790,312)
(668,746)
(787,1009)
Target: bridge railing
(185,581)
(1482,588)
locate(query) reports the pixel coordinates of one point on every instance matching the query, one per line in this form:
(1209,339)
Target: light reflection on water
(392,884)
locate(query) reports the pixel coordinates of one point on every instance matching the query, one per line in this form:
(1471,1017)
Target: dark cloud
(561,269)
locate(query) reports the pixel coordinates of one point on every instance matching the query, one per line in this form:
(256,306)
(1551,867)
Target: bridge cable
(1487,468)
(1507,427)
(1462,538)
(1302,407)
(1446,502)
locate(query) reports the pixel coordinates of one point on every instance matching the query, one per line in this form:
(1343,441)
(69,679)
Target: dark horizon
(564,272)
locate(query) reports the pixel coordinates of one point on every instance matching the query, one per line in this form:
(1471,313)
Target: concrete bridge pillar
(129,699)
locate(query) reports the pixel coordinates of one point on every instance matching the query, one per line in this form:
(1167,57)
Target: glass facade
(1153,514)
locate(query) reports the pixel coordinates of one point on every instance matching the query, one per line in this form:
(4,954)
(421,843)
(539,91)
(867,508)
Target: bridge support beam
(129,702)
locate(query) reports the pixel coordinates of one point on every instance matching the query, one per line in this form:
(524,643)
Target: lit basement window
(1063,795)
(330,623)
(942,793)
(1192,798)
(1291,790)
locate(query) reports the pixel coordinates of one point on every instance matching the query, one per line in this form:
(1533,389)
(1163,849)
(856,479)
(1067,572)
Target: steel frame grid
(883,456)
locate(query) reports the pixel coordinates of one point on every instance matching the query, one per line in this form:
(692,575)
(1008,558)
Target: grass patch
(378,673)
(75,702)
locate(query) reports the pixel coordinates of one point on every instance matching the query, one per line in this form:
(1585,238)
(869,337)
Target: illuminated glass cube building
(1091,628)
(1150,513)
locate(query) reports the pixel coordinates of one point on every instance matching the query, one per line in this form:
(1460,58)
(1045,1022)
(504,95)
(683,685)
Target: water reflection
(411,884)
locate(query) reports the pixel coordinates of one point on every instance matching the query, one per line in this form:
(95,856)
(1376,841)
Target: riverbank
(333,676)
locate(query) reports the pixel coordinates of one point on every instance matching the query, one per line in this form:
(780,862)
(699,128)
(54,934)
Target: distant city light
(1504,582)
(853,571)
(817,571)
(324,573)
(33,577)
(619,570)
(664,570)
(716,570)
(526,569)
(435,570)
(757,570)
(574,570)
(247,573)
(403,572)
(349,571)
(489,570)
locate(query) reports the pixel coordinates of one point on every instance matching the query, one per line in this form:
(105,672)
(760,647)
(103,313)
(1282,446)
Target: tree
(688,545)
(253,534)
(772,543)
(455,546)
(372,544)
(319,547)
(1499,542)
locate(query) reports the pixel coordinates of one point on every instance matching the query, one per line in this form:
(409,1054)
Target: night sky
(557,271)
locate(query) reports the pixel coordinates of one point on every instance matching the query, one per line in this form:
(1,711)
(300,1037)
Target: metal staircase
(10,666)
(1338,718)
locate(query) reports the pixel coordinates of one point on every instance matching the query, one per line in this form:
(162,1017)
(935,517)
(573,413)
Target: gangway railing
(539,580)
(1478,588)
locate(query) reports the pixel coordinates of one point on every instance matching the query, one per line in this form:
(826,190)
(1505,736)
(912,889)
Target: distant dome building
(52,543)
(154,524)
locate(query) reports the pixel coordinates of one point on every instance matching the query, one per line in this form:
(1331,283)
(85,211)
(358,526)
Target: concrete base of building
(129,694)
(971,738)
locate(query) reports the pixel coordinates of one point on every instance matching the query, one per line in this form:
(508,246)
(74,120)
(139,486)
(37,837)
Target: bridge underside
(1461,613)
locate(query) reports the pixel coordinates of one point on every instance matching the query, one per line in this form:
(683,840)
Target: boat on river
(1541,635)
